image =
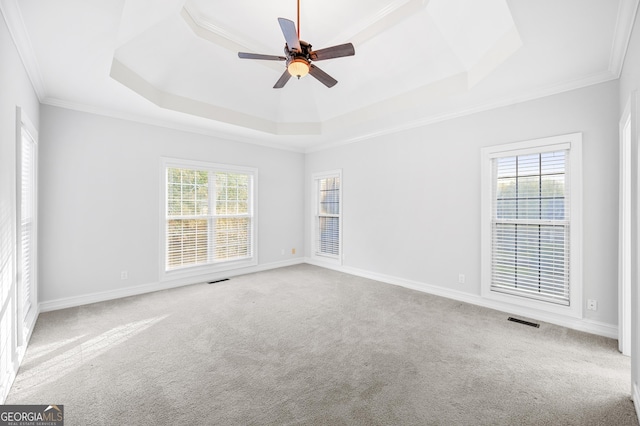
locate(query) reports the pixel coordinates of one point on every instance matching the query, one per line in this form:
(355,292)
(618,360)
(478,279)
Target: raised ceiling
(175,62)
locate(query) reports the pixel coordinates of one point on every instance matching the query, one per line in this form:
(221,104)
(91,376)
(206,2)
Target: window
(327,239)
(531,194)
(18,303)
(210,219)
(27,237)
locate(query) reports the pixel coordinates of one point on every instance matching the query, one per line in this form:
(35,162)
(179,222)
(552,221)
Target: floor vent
(218,281)
(519,321)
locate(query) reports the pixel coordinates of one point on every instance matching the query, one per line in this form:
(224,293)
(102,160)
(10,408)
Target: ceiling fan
(299,55)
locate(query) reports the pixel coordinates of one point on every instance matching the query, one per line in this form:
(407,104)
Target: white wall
(100,202)
(630,82)
(15,90)
(412,199)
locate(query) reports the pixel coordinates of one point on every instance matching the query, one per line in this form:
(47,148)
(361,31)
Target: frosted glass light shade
(298,67)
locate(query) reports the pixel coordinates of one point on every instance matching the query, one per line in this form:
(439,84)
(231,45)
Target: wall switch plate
(461,278)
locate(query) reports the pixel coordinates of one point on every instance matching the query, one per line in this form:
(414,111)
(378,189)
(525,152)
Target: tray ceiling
(175,62)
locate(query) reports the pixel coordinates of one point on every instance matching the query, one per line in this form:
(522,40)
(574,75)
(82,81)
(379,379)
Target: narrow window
(27,222)
(28,150)
(328,215)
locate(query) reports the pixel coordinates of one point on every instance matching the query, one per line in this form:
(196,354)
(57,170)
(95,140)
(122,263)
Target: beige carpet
(305,345)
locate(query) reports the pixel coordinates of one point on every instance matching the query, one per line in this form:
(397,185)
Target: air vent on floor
(218,281)
(519,321)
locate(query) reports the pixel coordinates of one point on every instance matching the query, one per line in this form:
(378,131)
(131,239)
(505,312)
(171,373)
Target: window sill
(574,310)
(206,270)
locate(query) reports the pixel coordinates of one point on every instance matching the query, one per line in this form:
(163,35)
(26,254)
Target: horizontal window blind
(328,217)
(209,217)
(530,226)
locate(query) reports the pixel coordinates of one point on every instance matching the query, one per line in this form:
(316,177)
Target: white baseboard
(85,299)
(586,325)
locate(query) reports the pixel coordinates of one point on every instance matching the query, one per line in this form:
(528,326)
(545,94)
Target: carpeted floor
(305,345)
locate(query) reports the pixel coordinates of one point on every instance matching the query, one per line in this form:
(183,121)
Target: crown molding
(136,83)
(387,17)
(167,124)
(624,27)
(216,34)
(321,146)
(549,90)
(17,29)
(213,32)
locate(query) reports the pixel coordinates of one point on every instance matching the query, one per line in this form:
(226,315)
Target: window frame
(573,144)
(315,182)
(27,309)
(208,268)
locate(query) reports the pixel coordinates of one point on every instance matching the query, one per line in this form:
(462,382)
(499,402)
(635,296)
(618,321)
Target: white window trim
(209,269)
(574,141)
(20,323)
(319,257)
(28,319)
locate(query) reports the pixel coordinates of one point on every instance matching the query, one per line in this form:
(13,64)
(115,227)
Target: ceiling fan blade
(282,80)
(322,76)
(290,34)
(245,55)
(339,51)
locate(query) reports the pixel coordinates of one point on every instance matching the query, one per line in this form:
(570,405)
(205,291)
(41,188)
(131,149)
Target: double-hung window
(531,223)
(327,218)
(209,217)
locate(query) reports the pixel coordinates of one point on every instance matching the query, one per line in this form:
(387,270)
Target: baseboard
(586,325)
(70,302)
(636,399)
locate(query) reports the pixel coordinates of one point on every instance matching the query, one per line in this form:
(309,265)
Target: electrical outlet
(461,278)
(592,305)
(124,275)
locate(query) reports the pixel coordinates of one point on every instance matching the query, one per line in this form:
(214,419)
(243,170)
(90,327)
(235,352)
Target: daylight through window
(209,216)
(530,226)
(328,215)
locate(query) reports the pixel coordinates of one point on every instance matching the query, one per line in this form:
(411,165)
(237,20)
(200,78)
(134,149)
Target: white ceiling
(175,62)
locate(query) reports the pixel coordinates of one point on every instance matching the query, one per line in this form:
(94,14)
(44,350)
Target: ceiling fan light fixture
(298,67)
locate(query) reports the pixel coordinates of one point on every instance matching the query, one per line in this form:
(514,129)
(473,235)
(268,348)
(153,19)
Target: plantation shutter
(530,225)
(328,217)
(27,231)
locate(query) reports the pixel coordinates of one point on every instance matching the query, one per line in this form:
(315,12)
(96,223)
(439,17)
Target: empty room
(319,212)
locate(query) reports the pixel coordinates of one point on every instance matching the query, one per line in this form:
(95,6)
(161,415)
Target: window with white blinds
(210,218)
(328,218)
(531,240)
(530,226)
